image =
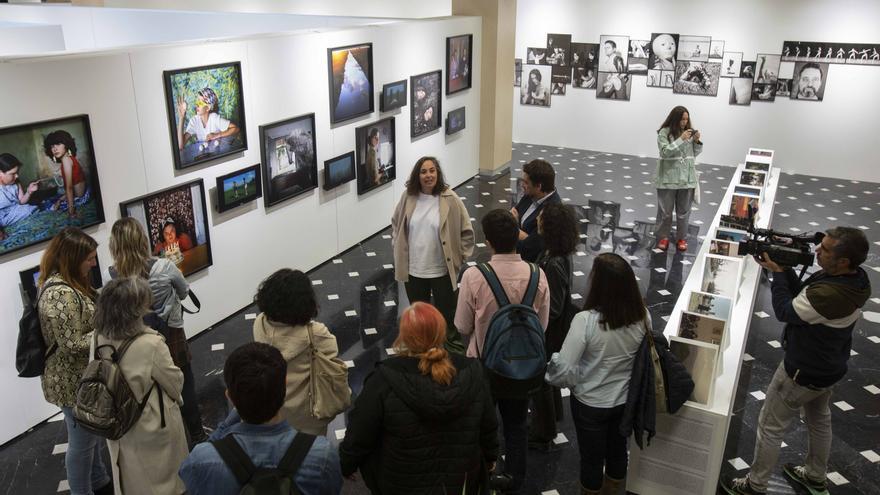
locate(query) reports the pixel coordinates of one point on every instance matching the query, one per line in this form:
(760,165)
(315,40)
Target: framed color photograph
(536,82)
(176,222)
(732,235)
(30,278)
(700,359)
(721,275)
(455,121)
(289,158)
(205,113)
(808,82)
(458,63)
(613,53)
(664,50)
(741,91)
(696,78)
(350,75)
(614,86)
(238,188)
(48,181)
(709,304)
(701,327)
(339,170)
(740,204)
(393,96)
(730,64)
(376,154)
(724,248)
(694,48)
(426,102)
(745,190)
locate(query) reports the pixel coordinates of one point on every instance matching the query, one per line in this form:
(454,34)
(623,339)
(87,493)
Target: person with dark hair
(613,60)
(373,176)
(13,196)
(432,236)
(820,314)
(425,421)
(534,92)
(539,189)
(173,243)
(596,362)
(477,305)
(287,305)
(676,176)
(61,148)
(255,376)
(809,82)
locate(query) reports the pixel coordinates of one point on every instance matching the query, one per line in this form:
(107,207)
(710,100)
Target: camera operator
(819,316)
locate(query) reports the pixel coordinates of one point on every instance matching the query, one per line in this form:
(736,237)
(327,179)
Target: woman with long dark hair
(676,177)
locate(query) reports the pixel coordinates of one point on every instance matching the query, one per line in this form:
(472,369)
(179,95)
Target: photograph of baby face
(664,49)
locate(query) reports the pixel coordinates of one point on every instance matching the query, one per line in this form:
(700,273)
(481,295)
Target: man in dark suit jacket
(538,183)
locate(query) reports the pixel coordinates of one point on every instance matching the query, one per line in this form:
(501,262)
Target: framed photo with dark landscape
(48,181)
(339,170)
(350,74)
(289,158)
(425,102)
(455,121)
(176,222)
(458,63)
(205,113)
(239,187)
(393,96)
(30,278)
(376,154)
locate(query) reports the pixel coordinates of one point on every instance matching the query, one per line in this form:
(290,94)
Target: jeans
(445,299)
(681,200)
(514,414)
(83,461)
(783,403)
(192,416)
(600,443)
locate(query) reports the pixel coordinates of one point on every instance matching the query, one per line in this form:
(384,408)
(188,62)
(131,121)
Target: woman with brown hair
(425,421)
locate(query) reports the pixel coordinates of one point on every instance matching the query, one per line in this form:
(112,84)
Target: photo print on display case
(639,51)
(535,89)
(664,49)
(831,52)
(559,49)
(426,103)
(48,181)
(701,327)
(350,78)
(176,222)
(716,50)
(238,188)
(741,91)
(696,78)
(585,55)
(732,235)
(289,158)
(455,121)
(458,63)
(376,154)
(660,78)
(694,48)
(724,248)
(760,166)
(709,304)
(700,360)
(614,86)
(30,281)
(536,56)
(808,82)
(752,178)
(613,53)
(745,190)
(583,77)
(339,170)
(763,154)
(393,96)
(731,64)
(205,113)
(740,204)
(721,275)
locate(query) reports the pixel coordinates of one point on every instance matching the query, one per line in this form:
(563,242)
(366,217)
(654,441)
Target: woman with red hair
(425,421)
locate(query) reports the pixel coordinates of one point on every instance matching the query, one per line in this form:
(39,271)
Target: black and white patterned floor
(615,200)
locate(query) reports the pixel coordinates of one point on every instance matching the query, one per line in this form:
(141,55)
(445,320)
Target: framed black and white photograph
(731,64)
(426,102)
(350,75)
(696,78)
(614,86)
(517,72)
(639,52)
(205,113)
(808,82)
(459,63)
(239,187)
(660,78)
(339,170)
(741,91)
(455,121)
(560,75)
(583,77)
(767,68)
(613,53)
(664,50)
(783,88)
(765,92)
(747,69)
(375,148)
(559,49)
(289,158)
(831,52)
(558,88)
(694,48)
(176,222)
(536,55)
(535,88)
(716,50)
(584,55)
(393,96)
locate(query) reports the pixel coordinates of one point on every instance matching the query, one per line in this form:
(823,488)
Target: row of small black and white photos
(831,53)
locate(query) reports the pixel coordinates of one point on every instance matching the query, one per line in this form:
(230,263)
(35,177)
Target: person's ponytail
(436,363)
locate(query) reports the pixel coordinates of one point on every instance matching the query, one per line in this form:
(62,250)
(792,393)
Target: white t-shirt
(216,123)
(426,258)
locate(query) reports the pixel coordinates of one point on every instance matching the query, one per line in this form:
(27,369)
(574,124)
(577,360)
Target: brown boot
(585,491)
(611,486)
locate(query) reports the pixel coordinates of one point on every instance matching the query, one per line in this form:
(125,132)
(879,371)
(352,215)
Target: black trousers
(444,299)
(546,411)
(600,443)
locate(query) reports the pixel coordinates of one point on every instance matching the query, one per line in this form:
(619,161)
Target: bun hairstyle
(422,335)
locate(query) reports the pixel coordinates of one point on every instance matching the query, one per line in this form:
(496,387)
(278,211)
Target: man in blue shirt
(255,376)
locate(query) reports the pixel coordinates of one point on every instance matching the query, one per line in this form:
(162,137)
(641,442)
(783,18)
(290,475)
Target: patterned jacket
(676,167)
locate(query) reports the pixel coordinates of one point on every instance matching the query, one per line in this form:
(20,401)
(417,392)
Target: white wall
(282,77)
(834,138)
(18,38)
(415,9)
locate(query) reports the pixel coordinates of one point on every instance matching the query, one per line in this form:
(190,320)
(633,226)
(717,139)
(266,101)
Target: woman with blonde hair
(130,250)
(425,421)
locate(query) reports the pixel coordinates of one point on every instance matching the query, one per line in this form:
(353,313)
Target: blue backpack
(513,351)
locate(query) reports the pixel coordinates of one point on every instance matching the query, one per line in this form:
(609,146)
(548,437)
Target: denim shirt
(205,473)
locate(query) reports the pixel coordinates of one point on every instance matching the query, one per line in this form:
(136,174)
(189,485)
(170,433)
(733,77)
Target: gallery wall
(283,76)
(832,138)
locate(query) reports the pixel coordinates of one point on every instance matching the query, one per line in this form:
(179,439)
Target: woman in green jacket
(676,178)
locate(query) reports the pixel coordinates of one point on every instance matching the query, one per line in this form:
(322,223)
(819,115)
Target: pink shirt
(476,303)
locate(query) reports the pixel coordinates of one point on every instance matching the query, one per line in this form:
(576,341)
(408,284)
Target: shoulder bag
(329,393)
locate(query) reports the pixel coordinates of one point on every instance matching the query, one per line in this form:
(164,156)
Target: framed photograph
(731,64)
(585,55)
(660,78)
(535,89)
(700,327)
(639,51)
(30,278)
(614,86)
(558,88)
(696,78)
(48,181)
(536,56)
(741,91)
(767,68)
(747,69)
(560,75)
(664,50)
(239,187)
(783,87)
(583,77)
(455,121)
(393,96)
(740,204)
(426,103)
(350,75)
(458,63)
(694,48)
(517,72)
(339,170)
(176,222)
(752,178)
(724,248)
(809,81)
(716,50)
(289,158)
(613,53)
(700,359)
(376,155)
(710,305)
(721,275)
(728,234)
(205,113)
(559,49)
(759,166)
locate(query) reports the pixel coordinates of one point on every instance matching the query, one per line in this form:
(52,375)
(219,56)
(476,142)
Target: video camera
(784,249)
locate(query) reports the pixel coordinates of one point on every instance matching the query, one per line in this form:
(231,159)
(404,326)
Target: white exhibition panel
(415,9)
(832,138)
(284,76)
(18,38)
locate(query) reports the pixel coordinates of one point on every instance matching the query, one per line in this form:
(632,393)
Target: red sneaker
(682,245)
(663,245)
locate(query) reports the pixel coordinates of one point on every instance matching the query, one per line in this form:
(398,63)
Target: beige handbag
(329,393)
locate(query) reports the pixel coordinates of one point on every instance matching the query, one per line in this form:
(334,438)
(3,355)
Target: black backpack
(513,350)
(265,481)
(31,352)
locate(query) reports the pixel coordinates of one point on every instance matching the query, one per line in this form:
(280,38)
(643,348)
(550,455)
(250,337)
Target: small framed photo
(740,91)
(458,63)
(425,103)
(289,159)
(731,64)
(239,187)
(339,170)
(30,280)
(376,154)
(694,48)
(350,75)
(393,96)
(455,121)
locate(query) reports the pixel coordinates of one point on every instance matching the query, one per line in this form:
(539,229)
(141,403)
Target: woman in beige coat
(146,459)
(287,305)
(432,237)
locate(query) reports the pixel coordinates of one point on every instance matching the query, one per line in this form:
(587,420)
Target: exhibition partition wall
(282,76)
(831,138)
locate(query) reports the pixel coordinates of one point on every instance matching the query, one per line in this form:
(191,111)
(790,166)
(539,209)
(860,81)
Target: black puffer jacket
(410,435)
